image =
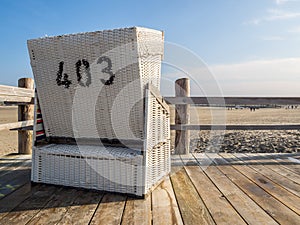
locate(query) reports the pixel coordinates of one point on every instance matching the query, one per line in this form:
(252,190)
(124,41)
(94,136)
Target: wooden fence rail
(182,125)
(232,100)
(235,127)
(17,125)
(16,95)
(24,97)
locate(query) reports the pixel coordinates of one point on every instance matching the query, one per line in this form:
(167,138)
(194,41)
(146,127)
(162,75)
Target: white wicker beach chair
(100,122)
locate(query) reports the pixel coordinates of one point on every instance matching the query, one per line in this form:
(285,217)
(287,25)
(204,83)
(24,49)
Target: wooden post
(182,116)
(25,112)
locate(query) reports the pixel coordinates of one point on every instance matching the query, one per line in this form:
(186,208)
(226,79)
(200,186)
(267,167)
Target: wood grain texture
(9,202)
(25,112)
(54,210)
(164,205)
(82,209)
(11,162)
(285,160)
(215,201)
(16,125)
(25,211)
(271,205)
(255,174)
(279,179)
(16,91)
(14,179)
(14,174)
(110,210)
(192,208)
(182,117)
(277,167)
(137,211)
(203,189)
(243,204)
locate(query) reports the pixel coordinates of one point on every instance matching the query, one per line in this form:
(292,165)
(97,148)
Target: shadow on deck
(201,189)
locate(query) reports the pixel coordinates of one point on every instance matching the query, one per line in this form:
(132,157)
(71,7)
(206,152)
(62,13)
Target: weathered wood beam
(25,112)
(182,117)
(16,125)
(236,127)
(233,100)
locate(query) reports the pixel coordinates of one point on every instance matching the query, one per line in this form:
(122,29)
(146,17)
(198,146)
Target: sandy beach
(8,139)
(228,141)
(243,141)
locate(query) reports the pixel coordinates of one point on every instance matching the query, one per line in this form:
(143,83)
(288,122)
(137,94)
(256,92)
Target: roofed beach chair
(100,122)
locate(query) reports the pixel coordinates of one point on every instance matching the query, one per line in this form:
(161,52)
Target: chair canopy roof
(91,85)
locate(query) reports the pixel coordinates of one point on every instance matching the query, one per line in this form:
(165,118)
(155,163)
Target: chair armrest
(157,119)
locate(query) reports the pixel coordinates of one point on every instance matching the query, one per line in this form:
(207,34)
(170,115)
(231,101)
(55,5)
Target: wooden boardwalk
(202,189)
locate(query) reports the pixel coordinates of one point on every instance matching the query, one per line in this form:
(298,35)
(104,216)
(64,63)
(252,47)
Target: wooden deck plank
(21,214)
(13,179)
(243,204)
(217,204)
(7,161)
(165,209)
(279,179)
(11,201)
(296,156)
(110,209)
(137,211)
(285,160)
(265,182)
(82,209)
(176,164)
(277,167)
(295,159)
(14,166)
(192,208)
(279,160)
(56,208)
(221,193)
(272,206)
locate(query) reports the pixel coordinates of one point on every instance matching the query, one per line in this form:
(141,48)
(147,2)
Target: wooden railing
(22,125)
(23,96)
(233,100)
(182,102)
(241,101)
(16,95)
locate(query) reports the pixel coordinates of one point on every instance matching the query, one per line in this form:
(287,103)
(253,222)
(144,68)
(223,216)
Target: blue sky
(251,46)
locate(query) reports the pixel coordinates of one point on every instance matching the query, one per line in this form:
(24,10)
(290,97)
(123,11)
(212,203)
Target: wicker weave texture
(109,169)
(157,142)
(112,169)
(135,55)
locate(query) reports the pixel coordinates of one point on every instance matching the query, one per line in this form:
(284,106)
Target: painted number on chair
(86,66)
(107,70)
(62,79)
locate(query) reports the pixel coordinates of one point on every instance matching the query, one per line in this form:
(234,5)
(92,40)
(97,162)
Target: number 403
(62,78)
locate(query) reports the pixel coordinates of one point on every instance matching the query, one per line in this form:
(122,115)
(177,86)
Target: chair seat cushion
(90,151)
